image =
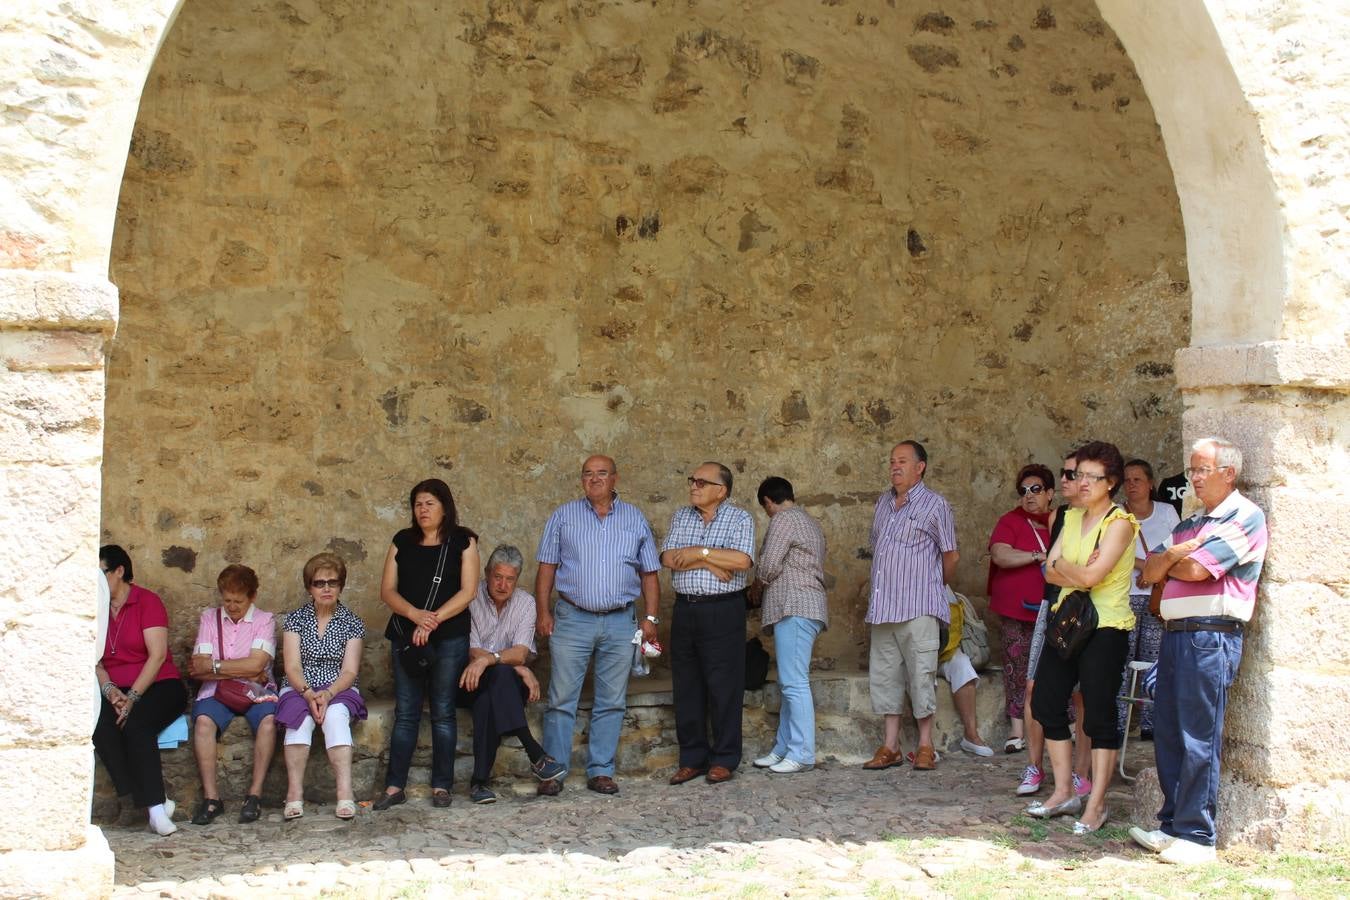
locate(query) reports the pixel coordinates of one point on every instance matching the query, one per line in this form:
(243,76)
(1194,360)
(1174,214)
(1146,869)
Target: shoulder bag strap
(435,583)
(220,632)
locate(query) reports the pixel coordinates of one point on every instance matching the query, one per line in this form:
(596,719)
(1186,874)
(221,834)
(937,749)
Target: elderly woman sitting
(322,642)
(232,658)
(501,646)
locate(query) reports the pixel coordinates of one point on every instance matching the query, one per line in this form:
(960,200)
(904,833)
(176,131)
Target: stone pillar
(53,328)
(1286,765)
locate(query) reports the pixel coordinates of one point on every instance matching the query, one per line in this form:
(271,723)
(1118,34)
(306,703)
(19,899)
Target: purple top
(907,548)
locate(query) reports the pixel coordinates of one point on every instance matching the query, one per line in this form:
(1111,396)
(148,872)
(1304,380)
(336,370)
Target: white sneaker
(789,767)
(977,749)
(1188,853)
(768,761)
(1157,841)
(165,827)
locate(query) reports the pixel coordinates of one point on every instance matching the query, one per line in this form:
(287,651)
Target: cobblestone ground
(836,830)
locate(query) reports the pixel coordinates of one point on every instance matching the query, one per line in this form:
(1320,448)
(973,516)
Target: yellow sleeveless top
(1111,596)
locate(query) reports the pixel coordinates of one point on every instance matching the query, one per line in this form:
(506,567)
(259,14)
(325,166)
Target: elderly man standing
(913,558)
(601,554)
(1207,571)
(501,647)
(709,550)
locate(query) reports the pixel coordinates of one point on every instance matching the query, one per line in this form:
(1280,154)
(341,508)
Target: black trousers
(1097,670)
(131,753)
(707,661)
(498,707)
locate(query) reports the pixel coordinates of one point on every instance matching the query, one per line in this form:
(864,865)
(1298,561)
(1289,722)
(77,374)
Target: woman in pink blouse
(142,690)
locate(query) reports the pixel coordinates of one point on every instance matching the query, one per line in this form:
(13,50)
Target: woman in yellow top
(1095,552)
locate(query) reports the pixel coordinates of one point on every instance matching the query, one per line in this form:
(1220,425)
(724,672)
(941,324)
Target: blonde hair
(325,561)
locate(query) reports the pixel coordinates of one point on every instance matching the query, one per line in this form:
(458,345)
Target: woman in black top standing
(431,615)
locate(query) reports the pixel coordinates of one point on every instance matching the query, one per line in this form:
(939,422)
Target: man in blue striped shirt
(709,550)
(601,555)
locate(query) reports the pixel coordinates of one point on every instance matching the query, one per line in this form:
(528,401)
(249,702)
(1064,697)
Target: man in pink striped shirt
(914,556)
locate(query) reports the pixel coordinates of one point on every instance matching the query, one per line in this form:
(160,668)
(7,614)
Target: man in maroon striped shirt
(913,558)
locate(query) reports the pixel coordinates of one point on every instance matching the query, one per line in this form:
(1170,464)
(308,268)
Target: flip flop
(293,810)
(346,809)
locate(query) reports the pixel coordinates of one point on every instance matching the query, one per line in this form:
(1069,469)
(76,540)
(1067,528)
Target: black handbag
(1071,624)
(415,660)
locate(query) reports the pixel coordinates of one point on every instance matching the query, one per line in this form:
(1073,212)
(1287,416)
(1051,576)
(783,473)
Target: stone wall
(357,247)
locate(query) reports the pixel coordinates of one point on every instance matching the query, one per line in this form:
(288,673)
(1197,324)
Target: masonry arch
(1269,368)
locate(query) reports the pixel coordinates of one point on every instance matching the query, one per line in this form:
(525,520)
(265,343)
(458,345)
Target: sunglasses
(1068,474)
(322,583)
(1024,489)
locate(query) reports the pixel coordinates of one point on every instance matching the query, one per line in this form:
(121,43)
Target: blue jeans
(793,638)
(441,687)
(1195,670)
(579,636)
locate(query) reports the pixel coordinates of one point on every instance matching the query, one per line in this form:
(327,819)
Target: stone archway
(1248,145)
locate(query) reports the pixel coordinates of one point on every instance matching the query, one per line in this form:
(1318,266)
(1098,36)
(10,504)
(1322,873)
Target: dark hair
(114,556)
(1035,470)
(1110,458)
(325,560)
(775,489)
(441,491)
(238,578)
(724,473)
(1142,464)
(1071,455)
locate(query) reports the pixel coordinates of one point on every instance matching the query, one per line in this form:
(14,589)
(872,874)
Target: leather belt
(1200,623)
(708,598)
(626,606)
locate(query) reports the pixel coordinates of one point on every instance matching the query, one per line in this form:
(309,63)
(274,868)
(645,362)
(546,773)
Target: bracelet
(108,687)
(133,695)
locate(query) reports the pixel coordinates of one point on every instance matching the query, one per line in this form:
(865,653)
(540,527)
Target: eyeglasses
(1204,471)
(595,476)
(701,484)
(1024,489)
(1090,478)
(322,583)
(1068,474)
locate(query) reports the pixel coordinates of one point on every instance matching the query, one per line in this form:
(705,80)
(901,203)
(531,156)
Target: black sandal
(251,809)
(207,810)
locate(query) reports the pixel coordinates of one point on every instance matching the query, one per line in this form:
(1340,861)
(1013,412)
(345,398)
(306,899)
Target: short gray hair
(1226,453)
(506,555)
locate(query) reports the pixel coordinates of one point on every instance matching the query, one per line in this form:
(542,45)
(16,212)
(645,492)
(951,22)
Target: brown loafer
(550,788)
(719,774)
(925,759)
(686,773)
(602,784)
(884,758)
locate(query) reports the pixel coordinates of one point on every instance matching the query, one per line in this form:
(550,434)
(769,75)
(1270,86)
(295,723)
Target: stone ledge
(51,301)
(1269,363)
(846,730)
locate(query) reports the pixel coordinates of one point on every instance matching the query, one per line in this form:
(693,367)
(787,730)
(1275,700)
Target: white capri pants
(337,728)
(958,671)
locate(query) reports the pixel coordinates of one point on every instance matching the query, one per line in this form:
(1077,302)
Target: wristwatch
(496,656)
(706,551)
(654,620)
(215,667)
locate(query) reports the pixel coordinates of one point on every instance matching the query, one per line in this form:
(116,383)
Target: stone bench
(846,730)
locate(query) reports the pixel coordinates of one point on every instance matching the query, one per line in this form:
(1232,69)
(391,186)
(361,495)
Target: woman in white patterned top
(791,578)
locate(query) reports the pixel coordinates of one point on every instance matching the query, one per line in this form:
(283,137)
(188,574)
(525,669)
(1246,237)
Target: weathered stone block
(53,818)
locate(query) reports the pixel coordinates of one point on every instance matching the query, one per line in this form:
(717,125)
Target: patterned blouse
(321,655)
(792,567)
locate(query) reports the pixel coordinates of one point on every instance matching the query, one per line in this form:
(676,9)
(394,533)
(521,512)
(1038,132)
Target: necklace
(117,617)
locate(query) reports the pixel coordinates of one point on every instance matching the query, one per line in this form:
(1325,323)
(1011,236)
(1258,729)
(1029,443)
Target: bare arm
(251,667)
(468,584)
(157,650)
(1116,541)
(651,602)
(518,655)
(949,561)
(1160,565)
(290,644)
(543,592)
(682,559)
(1005,556)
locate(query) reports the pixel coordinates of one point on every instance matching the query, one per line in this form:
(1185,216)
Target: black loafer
(251,809)
(207,810)
(440,798)
(389,800)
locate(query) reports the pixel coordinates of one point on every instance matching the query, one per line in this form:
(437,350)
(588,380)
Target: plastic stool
(1132,696)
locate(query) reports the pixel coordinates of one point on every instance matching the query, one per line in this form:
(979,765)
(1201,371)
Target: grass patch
(751,891)
(746,863)
(883,891)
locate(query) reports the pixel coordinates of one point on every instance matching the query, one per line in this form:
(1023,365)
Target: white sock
(161,820)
